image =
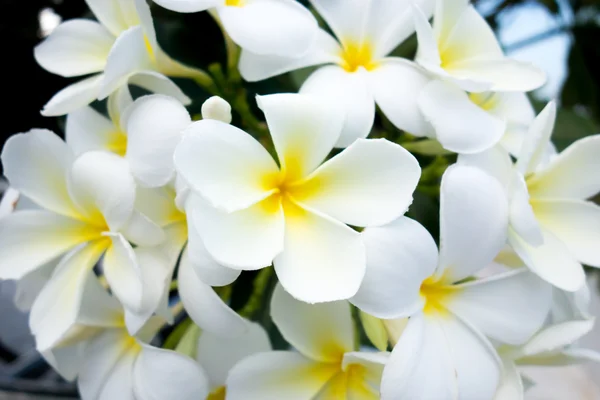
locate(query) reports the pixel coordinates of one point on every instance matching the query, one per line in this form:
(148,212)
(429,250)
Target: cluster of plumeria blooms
(143,200)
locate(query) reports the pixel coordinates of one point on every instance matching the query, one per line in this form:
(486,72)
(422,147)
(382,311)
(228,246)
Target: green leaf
(427,147)
(188,345)
(176,335)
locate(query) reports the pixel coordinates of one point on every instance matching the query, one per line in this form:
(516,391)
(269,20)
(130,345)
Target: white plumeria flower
(252,213)
(277,27)
(326,365)
(462,51)
(444,341)
(552,226)
(86,210)
(120,49)
(552,346)
(218,355)
(359,73)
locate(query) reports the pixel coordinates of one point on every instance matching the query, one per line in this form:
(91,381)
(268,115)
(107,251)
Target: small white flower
(278,27)
(444,341)
(325,365)
(250,212)
(120,49)
(218,109)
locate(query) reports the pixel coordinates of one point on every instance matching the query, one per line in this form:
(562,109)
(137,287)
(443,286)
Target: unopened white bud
(218,109)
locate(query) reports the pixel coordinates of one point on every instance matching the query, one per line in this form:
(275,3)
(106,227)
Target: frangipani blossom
(251,213)
(442,351)
(461,50)
(121,48)
(86,210)
(360,72)
(325,366)
(270,27)
(553,228)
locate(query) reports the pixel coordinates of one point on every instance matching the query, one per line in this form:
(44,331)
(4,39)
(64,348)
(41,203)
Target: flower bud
(216,108)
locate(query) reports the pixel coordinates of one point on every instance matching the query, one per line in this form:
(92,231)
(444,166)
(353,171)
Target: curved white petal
(446,16)
(537,140)
(204,306)
(257,67)
(304,131)
(247,239)
(322,259)
(140,230)
(400,256)
(570,174)
(349,91)
(370,183)
(473,209)
(31,238)
(495,161)
(205,266)
(420,366)
(278,374)
(502,75)
(74,96)
(365,386)
(555,338)
(552,261)
(321,332)
(128,56)
(522,217)
(396,85)
(224,164)
(188,6)
(511,384)
(102,186)
(156,82)
(30,285)
(428,53)
(219,354)
(508,307)
(162,374)
(116,16)
(155,126)
(76,47)
(460,125)
(87,129)
(575,223)
(280,27)
(37,164)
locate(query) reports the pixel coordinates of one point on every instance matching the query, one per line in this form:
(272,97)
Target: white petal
(154,128)
(556,337)
(216,108)
(57,308)
(420,366)
(473,210)
(321,332)
(117,103)
(509,307)
(141,231)
(503,75)
(204,306)
(428,53)
(66,360)
(76,47)
(400,256)
(123,273)
(576,224)
(278,374)
(158,204)
(102,186)
(29,286)
(446,16)
(460,125)
(371,365)
(368,184)
(257,67)
(511,384)
(495,161)
(537,140)
(322,259)
(521,214)
(73,97)
(158,83)
(87,129)
(218,354)
(570,174)
(246,239)
(304,131)
(224,164)
(188,6)
(552,261)
(281,27)
(206,267)
(396,85)
(161,374)
(36,164)
(31,238)
(349,91)
(116,16)
(568,306)
(128,56)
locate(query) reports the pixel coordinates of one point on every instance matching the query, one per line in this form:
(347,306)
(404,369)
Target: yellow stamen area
(486,101)
(436,295)
(356,55)
(149,48)
(217,394)
(117,143)
(234,3)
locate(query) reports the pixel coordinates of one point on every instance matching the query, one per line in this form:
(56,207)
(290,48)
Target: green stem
(255,302)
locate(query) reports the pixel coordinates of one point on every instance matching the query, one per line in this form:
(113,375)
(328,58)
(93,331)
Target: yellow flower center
(118,143)
(436,295)
(217,394)
(486,101)
(234,3)
(356,55)
(149,48)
